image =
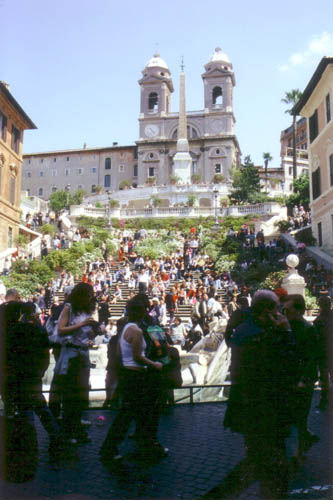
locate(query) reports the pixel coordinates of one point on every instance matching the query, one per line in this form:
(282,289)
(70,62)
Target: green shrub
(283,225)
(306,236)
(48,229)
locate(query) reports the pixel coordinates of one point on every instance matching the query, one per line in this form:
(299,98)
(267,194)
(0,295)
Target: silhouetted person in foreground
(262,374)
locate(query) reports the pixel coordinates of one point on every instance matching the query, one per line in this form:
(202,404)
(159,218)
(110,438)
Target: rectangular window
(67,159)
(67,172)
(194,167)
(121,168)
(29,174)
(313,126)
(10,237)
(54,172)
(79,171)
(331,170)
(93,170)
(29,161)
(41,160)
(320,235)
(218,168)
(328,108)
(135,170)
(316,183)
(3,126)
(41,173)
(151,172)
(12,190)
(16,136)
(290,170)
(107,181)
(54,160)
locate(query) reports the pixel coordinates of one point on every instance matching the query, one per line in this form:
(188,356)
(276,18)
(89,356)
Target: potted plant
(174,179)
(218,179)
(151,180)
(156,201)
(196,178)
(125,184)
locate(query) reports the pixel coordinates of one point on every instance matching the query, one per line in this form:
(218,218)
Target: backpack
(157,344)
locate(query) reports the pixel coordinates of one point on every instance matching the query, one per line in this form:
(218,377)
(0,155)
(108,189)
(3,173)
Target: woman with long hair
(78,328)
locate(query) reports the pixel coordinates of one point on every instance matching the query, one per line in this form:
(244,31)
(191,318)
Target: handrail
(194,389)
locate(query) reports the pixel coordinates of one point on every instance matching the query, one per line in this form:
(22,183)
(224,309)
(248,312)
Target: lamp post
(216,224)
(67,189)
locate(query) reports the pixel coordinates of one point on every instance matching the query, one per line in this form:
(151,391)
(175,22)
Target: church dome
(218,58)
(157,62)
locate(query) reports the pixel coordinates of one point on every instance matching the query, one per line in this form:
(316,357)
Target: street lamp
(67,189)
(216,224)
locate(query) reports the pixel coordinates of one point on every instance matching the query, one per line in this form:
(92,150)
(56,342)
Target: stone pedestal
(293,282)
(182,163)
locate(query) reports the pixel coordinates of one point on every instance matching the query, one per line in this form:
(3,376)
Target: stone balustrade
(260,209)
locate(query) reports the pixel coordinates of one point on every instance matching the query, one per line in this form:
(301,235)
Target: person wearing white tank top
(133,385)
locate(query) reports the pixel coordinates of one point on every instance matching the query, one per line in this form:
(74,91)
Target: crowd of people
(274,350)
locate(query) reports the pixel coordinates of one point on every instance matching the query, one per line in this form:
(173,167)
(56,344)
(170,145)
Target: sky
(74,65)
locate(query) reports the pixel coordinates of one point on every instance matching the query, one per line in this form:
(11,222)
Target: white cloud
(319,46)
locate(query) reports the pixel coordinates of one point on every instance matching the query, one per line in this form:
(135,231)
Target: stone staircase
(116,310)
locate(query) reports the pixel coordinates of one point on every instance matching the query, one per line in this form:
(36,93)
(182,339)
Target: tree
(245,183)
(301,194)
(58,200)
(267,158)
(77,197)
(292,98)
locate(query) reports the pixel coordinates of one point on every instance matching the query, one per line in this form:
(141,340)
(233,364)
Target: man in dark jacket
(306,350)
(263,378)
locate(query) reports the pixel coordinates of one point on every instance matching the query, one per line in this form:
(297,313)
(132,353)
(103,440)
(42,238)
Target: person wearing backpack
(133,386)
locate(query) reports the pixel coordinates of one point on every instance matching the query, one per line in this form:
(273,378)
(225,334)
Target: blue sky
(73,65)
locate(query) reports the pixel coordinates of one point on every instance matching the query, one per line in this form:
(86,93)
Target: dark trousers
(134,392)
(74,387)
(26,397)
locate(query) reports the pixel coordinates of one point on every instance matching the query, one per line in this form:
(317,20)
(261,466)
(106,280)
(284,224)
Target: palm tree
(267,158)
(292,98)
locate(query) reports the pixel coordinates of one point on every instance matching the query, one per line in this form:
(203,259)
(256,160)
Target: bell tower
(219,81)
(156,88)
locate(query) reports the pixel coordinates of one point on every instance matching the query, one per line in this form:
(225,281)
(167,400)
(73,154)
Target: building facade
(89,169)
(316,106)
(286,153)
(13,122)
(212,142)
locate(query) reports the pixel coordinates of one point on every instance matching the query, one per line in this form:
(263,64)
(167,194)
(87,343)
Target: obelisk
(182,161)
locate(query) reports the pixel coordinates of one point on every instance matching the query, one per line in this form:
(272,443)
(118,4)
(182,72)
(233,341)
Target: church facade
(213,145)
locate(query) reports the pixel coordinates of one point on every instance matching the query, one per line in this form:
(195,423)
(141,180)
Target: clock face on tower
(151,130)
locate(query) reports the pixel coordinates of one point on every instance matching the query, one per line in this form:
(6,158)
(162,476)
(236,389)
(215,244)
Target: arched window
(153,102)
(107,181)
(40,192)
(107,163)
(191,133)
(217,97)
